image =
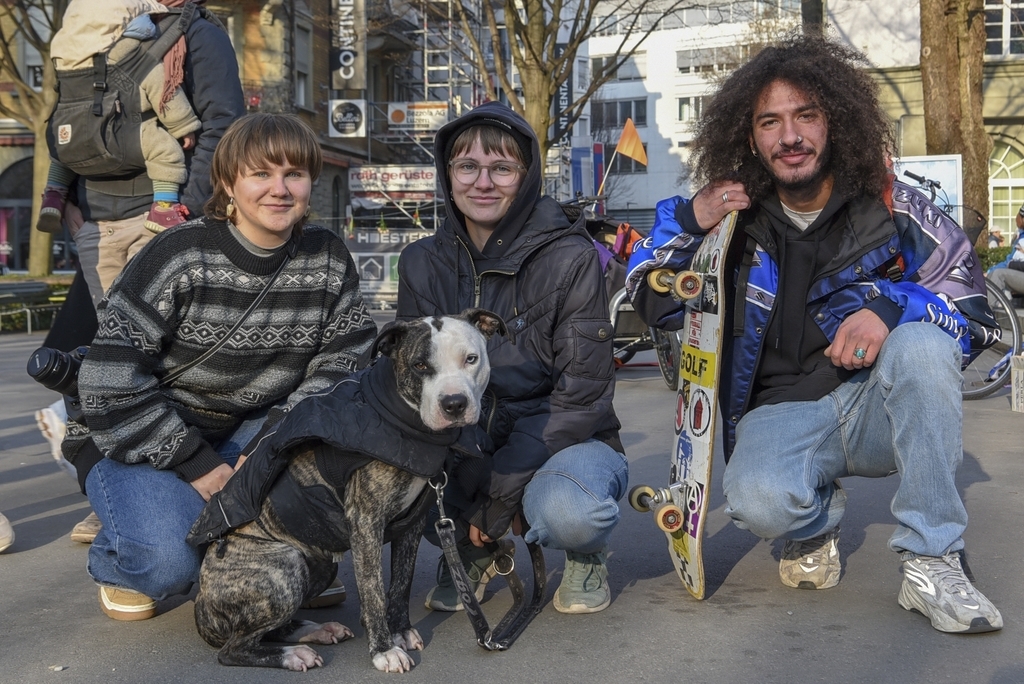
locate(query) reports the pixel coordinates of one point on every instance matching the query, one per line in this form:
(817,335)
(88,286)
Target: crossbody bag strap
(177,372)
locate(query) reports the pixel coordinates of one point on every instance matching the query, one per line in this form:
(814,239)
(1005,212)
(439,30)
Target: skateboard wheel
(640,498)
(669,517)
(660,280)
(687,284)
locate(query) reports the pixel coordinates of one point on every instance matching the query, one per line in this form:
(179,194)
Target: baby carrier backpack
(94,129)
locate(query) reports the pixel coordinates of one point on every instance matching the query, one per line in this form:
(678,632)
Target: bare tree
(29,24)
(544,38)
(952,61)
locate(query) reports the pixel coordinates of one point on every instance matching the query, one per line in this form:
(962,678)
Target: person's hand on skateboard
(858,340)
(715,200)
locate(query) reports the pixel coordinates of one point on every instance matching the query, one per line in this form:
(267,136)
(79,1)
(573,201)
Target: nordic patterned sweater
(173,301)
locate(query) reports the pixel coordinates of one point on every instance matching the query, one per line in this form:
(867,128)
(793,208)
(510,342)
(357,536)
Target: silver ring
(725,196)
(860,353)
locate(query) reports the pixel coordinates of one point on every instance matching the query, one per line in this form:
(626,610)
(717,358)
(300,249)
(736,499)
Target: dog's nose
(454,405)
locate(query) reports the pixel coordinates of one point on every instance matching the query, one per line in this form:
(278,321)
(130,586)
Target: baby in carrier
(93,27)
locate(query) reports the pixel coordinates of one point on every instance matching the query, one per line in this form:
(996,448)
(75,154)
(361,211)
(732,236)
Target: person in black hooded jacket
(555,464)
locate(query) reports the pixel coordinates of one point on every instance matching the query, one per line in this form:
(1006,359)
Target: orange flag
(630,145)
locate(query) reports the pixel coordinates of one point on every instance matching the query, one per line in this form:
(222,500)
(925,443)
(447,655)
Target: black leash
(521,612)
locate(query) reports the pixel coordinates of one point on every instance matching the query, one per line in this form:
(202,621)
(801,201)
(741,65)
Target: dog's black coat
(343,471)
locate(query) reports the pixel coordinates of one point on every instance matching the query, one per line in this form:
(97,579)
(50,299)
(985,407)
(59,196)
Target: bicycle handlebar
(922,180)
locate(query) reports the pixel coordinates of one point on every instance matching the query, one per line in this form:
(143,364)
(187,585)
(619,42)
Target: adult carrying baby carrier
(94,129)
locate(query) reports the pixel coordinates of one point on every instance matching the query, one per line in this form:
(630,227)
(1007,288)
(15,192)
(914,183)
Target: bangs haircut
(493,140)
(860,135)
(256,141)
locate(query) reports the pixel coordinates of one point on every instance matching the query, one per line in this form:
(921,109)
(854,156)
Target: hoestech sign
(375,186)
(348,45)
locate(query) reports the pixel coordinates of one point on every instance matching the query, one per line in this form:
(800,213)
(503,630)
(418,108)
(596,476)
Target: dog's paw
(300,658)
(327,633)
(394,660)
(410,640)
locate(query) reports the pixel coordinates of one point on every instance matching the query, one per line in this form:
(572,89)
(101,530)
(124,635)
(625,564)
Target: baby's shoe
(164,215)
(52,212)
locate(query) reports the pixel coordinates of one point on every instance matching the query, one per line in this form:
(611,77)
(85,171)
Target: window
(709,60)
(690,108)
(633,69)
(582,74)
(1004,28)
(303,65)
(611,115)
(1006,187)
(607,26)
(624,164)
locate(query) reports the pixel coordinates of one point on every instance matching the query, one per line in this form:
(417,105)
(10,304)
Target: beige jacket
(92,26)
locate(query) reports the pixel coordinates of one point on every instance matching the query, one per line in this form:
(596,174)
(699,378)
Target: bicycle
(630,334)
(990,370)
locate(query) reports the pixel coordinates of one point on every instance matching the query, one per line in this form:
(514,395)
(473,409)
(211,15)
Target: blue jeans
(571,502)
(901,415)
(146,514)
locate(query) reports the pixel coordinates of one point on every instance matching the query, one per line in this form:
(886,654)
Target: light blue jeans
(146,514)
(571,502)
(902,415)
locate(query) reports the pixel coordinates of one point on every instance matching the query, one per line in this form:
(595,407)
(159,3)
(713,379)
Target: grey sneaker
(584,587)
(938,589)
(480,568)
(811,563)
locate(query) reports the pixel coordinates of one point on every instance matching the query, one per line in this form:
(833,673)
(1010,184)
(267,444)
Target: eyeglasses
(501,173)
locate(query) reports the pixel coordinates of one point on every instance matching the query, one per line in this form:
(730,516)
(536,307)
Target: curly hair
(860,135)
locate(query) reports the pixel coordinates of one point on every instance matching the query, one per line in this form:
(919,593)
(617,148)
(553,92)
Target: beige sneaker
(126,605)
(6,533)
(85,531)
(331,596)
(811,563)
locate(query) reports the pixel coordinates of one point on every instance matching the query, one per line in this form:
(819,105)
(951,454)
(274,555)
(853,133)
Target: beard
(808,181)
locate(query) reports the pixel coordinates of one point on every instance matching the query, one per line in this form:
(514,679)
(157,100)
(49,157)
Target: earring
(753,151)
(229,210)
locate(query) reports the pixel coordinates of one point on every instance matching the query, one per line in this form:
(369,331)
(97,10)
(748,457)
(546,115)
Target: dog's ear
(487,322)
(389,338)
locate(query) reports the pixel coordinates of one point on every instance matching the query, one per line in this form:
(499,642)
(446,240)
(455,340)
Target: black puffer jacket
(552,379)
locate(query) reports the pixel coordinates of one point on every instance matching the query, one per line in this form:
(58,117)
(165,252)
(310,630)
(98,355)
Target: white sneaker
(54,427)
(938,589)
(6,533)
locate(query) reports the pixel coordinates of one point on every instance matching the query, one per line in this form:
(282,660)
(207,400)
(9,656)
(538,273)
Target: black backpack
(94,129)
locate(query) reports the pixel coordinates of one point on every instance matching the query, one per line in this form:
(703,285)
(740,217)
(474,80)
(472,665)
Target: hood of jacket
(500,116)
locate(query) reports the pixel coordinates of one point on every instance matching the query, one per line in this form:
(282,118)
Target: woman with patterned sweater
(160,442)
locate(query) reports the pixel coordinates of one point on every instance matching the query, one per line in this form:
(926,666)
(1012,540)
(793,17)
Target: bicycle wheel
(666,346)
(991,370)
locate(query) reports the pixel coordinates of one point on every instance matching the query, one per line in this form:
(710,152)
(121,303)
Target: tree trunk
(40,250)
(952,73)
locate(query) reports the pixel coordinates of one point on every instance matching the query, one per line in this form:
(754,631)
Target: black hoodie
(552,379)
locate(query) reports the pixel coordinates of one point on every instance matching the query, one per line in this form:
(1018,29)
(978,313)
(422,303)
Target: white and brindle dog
(318,487)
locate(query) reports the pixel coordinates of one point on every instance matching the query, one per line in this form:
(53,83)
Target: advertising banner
(347,119)
(375,186)
(417,116)
(348,45)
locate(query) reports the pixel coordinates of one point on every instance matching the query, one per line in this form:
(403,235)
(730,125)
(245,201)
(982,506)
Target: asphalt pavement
(751,628)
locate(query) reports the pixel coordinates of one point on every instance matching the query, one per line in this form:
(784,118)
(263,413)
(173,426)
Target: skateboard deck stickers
(696,406)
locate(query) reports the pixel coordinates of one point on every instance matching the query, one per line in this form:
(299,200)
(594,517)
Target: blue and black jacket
(903,259)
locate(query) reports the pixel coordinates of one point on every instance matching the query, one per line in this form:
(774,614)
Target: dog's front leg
(403,567)
(368,562)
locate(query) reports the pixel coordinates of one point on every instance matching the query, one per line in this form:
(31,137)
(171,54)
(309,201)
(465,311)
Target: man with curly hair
(852,303)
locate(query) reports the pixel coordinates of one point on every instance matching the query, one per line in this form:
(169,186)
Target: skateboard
(681,508)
